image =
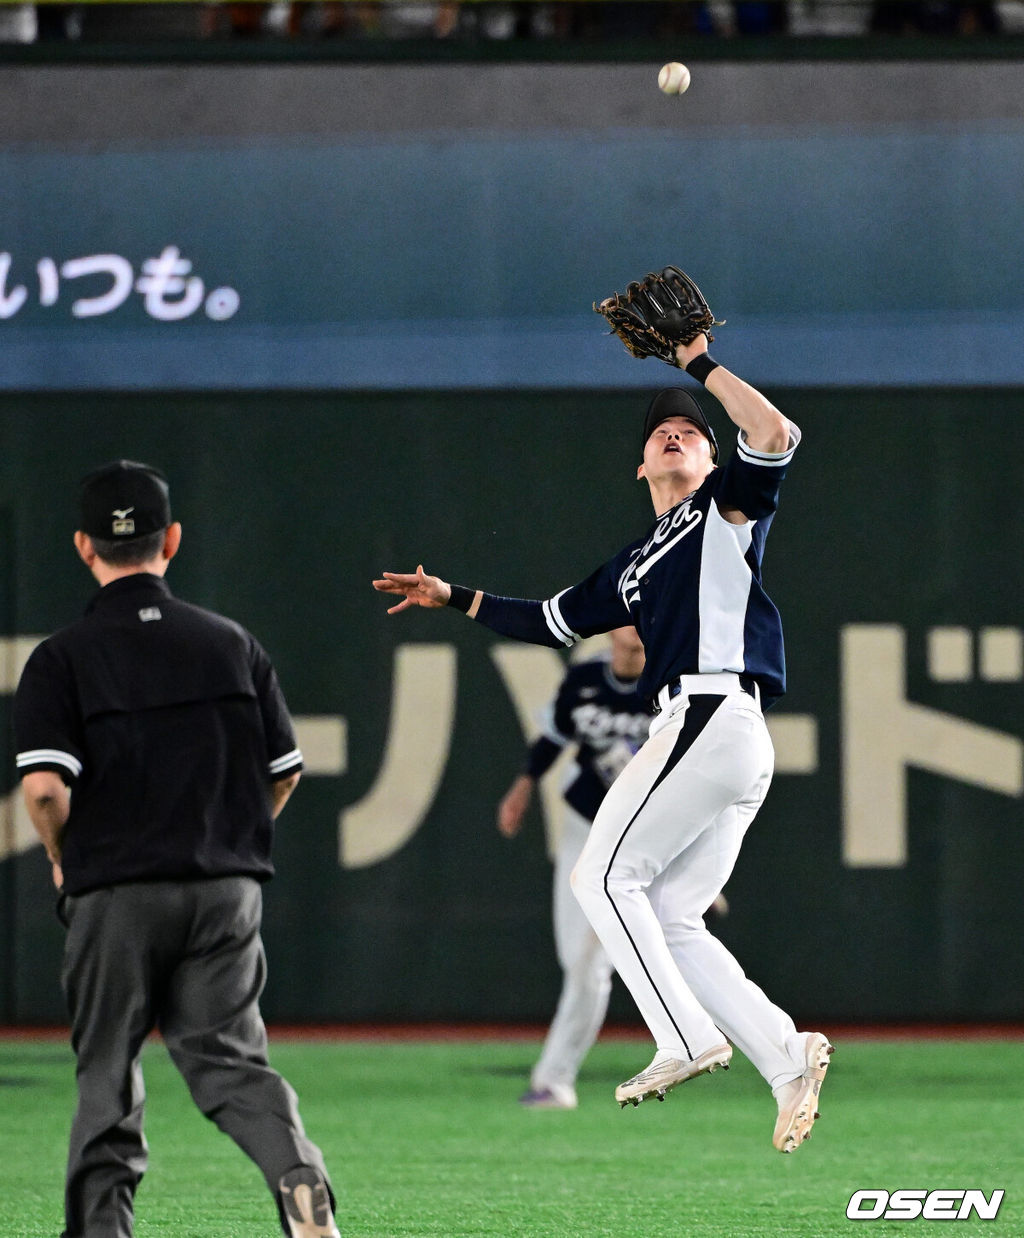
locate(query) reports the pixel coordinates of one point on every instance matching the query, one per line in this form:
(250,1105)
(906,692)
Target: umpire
(155,750)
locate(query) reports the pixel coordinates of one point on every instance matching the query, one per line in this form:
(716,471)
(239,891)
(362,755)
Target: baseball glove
(655,314)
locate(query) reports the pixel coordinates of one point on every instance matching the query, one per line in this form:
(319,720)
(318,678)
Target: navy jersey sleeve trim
(521,619)
(556,621)
(769,459)
(595,604)
(751,480)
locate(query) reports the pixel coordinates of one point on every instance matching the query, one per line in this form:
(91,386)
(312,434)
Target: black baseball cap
(123,500)
(675,402)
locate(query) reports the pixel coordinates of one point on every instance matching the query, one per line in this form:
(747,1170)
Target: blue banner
(463,257)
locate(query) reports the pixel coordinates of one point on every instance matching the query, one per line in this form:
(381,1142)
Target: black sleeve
(543,754)
(47,727)
(284,757)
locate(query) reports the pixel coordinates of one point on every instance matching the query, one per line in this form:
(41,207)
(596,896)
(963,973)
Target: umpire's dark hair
(131,553)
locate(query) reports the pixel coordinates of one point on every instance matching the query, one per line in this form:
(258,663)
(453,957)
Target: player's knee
(586,882)
(683,929)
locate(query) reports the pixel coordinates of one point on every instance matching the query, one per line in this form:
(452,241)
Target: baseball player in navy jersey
(668,832)
(597,709)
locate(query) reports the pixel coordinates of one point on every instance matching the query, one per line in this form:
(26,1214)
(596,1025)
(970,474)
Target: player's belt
(721,683)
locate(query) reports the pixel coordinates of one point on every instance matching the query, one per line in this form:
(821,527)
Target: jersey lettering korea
(606,720)
(691,587)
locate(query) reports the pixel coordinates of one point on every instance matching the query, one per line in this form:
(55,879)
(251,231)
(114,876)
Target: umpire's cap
(675,402)
(124,499)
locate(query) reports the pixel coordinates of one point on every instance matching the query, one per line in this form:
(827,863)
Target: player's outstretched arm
(419,589)
(518,618)
(764,427)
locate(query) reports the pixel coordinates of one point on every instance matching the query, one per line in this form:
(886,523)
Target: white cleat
(668,1071)
(798,1099)
(306,1204)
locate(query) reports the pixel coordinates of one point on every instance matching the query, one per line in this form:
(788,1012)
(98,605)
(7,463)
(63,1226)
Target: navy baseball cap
(124,499)
(675,402)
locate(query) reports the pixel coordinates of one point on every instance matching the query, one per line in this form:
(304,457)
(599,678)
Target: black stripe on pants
(699,712)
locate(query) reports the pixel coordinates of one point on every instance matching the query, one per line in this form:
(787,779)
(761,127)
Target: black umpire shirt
(168,723)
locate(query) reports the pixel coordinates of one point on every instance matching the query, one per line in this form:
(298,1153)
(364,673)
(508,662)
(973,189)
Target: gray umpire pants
(186,958)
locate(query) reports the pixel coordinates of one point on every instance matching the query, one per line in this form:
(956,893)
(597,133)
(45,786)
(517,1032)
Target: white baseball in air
(674,78)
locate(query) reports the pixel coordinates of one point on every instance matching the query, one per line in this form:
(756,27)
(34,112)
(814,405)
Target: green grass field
(425,1140)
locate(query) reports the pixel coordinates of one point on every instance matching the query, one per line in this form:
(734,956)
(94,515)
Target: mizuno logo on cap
(121,526)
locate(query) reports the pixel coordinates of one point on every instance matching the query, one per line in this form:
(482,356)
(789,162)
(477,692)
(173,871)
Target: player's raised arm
(763,426)
(419,589)
(666,316)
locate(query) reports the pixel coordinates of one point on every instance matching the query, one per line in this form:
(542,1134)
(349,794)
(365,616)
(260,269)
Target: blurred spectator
(342,19)
(398,20)
(18,23)
(619,20)
(829,18)
(1011,16)
(243,21)
(59,21)
(590,20)
(601,19)
(761,17)
(749,17)
(383,19)
(520,20)
(934,17)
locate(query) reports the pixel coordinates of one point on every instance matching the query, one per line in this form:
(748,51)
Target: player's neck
(666,492)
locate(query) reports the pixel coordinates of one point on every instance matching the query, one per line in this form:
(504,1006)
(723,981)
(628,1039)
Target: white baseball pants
(586,970)
(659,852)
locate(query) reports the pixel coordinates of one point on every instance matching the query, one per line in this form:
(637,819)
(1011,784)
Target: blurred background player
(597,709)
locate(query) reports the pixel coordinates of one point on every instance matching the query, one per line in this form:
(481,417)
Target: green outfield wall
(880,881)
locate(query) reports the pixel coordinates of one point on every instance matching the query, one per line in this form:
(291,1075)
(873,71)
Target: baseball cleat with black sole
(667,1072)
(798,1099)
